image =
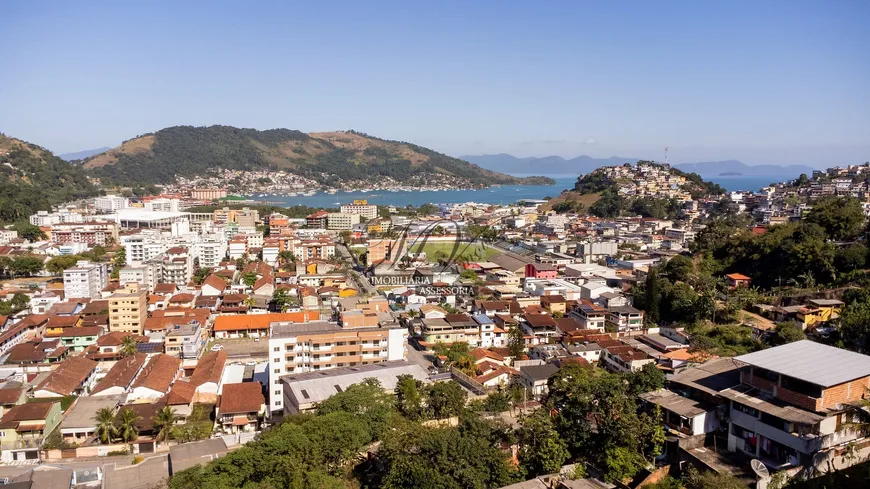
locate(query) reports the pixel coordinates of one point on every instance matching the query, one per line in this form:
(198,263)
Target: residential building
(624,319)
(241,408)
(301,392)
(128,309)
(208,193)
(185,340)
(86,280)
(318,220)
(362,208)
(535,377)
(794,404)
(624,359)
(23,429)
(735,280)
(110,203)
(73,376)
(321,345)
(339,221)
(91,233)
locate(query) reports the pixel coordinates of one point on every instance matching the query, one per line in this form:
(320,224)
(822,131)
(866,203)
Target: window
(277,393)
(277,348)
(305,394)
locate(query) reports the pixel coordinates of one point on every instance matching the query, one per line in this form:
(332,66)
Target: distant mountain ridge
(556,165)
(80,155)
(329,158)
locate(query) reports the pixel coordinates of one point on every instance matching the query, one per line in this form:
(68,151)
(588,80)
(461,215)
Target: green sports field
(463,251)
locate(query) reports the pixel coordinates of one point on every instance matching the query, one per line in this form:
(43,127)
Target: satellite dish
(759,468)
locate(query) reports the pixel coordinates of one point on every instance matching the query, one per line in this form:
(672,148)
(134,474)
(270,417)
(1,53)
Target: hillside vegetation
(329,158)
(34,179)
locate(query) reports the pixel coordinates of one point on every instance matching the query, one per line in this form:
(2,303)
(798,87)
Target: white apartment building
(162,205)
(7,235)
(143,247)
(146,275)
(177,266)
(210,252)
(44,218)
(86,280)
(111,203)
(339,221)
(366,211)
(237,248)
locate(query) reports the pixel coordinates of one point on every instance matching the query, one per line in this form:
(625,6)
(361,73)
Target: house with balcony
(624,319)
(795,404)
(241,407)
(624,359)
(589,314)
(23,429)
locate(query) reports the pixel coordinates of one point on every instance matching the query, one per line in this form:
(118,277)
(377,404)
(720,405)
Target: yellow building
(128,309)
(819,311)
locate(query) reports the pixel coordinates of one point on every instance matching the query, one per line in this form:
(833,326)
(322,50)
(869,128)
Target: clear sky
(760,81)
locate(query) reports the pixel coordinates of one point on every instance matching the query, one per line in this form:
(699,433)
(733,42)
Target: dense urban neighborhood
(664,334)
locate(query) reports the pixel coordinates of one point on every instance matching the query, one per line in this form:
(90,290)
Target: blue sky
(763,82)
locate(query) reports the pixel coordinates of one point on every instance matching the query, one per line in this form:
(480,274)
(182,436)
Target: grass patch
(461,251)
(65,402)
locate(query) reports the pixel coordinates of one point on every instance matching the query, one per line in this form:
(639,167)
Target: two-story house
(23,429)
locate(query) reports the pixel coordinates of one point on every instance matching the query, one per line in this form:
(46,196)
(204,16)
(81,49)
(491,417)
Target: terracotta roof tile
(68,376)
(122,373)
(159,373)
(246,397)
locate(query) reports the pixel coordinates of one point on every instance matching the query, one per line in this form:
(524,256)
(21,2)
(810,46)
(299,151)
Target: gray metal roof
(81,416)
(317,386)
(811,362)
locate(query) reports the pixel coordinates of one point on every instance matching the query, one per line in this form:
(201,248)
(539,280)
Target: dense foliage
(34,179)
(190,151)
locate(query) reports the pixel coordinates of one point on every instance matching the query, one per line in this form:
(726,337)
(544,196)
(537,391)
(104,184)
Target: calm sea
(505,194)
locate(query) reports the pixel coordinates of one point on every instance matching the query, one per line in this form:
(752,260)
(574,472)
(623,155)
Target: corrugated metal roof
(811,362)
(320,385)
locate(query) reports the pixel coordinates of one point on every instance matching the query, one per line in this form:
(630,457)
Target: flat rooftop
(812,362)
(81,416)
(131,214)
(320,385)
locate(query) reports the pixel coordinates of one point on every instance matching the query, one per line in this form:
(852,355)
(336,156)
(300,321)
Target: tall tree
(409,397)
(127,425)
(129,346)
(542,450)
(516,342)
(164,421)
(652,296)
(105,431)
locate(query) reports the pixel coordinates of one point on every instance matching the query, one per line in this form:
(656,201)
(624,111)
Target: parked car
(217,347)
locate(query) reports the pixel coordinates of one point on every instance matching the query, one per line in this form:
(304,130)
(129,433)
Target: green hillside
(34,179)
(329,158)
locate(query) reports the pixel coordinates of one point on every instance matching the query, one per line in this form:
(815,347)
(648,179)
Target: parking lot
(243,348)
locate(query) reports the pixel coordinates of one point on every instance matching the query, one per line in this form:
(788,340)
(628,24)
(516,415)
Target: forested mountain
(35,179)
(328,158)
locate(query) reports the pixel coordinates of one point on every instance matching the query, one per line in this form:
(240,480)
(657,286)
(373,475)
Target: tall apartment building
(210,252)
(86,280)
(146,275)
(321,249)
(142,247)
(321,345)
(339,221)
(111,203)
(176,266)
(362,208)
(128,308)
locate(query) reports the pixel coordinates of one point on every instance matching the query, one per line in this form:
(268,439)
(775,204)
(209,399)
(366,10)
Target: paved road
(359,279)
(421,358)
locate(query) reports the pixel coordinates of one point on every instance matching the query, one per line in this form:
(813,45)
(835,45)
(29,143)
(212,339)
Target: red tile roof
(68,376)
(122,373)
(159,373)
(209,368)
(246,397)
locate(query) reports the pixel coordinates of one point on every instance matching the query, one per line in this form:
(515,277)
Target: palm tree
(164,421)
(106,429)
(128,346)
(127,424)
